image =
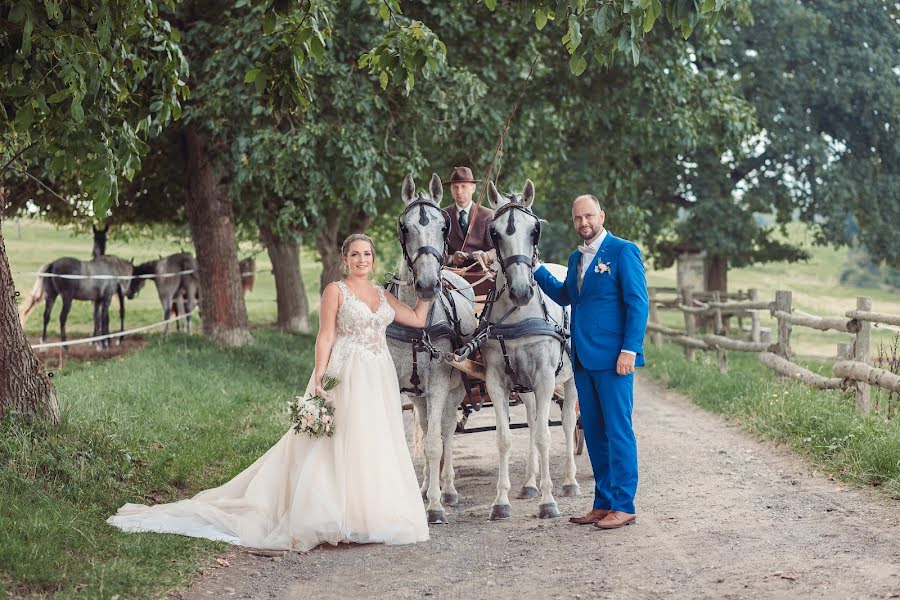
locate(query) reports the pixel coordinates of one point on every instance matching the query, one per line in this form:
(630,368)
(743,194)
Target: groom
(606,287)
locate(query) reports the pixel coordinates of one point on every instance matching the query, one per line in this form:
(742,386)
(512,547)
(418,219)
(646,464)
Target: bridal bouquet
(311,415)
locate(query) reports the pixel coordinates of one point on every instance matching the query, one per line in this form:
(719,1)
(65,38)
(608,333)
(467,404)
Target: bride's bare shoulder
(332,294)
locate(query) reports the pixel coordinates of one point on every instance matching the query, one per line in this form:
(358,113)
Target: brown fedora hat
(462,175)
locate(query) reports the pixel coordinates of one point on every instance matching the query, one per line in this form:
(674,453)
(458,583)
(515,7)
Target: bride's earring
(345,269)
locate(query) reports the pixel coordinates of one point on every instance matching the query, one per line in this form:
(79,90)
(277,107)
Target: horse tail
(35,297)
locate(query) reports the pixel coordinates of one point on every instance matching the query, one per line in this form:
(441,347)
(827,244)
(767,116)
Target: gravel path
(720,515)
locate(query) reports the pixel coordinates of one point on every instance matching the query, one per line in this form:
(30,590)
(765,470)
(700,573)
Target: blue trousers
(606,401)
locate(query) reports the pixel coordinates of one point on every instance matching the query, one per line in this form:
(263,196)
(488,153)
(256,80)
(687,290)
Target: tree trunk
(290,292)
(329,239)
(25,388)
(211,220)
(715,272)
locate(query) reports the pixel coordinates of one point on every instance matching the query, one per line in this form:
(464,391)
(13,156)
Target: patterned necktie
(463,222)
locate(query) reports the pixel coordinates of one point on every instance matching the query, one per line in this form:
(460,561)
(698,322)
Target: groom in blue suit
(607,289)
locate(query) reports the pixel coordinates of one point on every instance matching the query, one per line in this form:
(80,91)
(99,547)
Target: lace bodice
(358,327)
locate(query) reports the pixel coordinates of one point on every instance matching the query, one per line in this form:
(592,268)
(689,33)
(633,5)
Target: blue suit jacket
(610,313)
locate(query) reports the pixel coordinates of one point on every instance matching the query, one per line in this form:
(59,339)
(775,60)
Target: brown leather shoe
(592,517)
(615,519)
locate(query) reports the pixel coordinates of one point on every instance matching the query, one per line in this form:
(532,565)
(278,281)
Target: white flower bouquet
(312,415)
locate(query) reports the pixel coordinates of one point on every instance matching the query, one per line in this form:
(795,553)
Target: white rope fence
(124,277)
(98,338)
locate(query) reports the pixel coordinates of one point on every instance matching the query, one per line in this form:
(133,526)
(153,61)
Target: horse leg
(437,394)
(48,309)
(190,291)
(167,312)
(421,414)
(121,298)
(449,495)
(570,486)
(543,393)
(501,510)
(179,308)
(63,317)
(530,489)
(97,320)
(105,324)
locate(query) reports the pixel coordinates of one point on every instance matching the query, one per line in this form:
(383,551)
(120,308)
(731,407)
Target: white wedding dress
(358,485)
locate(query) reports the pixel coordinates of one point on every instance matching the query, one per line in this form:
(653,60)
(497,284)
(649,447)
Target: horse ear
(528,193)
(409,189)
(494,196)
(437,189)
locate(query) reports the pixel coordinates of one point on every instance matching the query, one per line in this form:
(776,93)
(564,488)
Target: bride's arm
(328,308)
(411,317)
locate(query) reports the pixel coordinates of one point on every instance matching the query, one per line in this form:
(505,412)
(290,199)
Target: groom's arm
(634,296)
(553,287)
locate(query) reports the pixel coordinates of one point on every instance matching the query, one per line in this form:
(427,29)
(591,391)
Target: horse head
(137,283)
(423,228)
(515,233)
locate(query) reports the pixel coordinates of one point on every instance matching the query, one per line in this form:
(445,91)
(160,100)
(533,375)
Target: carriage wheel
(579,438)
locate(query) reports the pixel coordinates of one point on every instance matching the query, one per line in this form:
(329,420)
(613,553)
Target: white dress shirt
(589,251)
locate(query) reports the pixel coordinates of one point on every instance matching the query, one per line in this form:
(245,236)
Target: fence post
(861,354)
(690,327)
(655,336)
(783,345)
(719,329)
(754,316)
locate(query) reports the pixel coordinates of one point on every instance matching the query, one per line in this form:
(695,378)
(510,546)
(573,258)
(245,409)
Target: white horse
(434,387)
(525,350)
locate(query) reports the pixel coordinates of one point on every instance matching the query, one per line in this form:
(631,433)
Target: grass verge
(823,425)
(154,426)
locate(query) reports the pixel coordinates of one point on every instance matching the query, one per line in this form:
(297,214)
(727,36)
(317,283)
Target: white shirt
(594,246)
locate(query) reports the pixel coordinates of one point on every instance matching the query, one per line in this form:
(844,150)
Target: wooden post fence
(861,355)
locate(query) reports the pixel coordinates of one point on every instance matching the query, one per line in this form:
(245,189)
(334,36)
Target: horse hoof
(437,517)
(501,512)
(450,499)
(528,492)
(548,511)
(571,489)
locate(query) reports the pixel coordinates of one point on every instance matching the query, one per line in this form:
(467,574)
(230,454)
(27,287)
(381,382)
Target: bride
(358,485)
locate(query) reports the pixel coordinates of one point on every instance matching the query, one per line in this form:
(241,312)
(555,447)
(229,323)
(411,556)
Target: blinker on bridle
(422,203)
(514,204)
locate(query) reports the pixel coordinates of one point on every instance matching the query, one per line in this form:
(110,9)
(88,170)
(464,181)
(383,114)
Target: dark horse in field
(178,289)
(96,280)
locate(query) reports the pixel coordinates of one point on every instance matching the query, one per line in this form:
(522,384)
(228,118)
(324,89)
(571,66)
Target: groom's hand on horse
(625,364)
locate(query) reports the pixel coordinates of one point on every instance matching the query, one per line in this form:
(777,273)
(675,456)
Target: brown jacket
(479,238)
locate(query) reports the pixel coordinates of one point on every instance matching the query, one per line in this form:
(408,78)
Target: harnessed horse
(524,350)
(434,387)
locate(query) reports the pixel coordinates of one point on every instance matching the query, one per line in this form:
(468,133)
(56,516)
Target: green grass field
(153,426)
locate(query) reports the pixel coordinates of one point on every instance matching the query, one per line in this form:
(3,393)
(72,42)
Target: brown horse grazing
(248,273)
(95,280)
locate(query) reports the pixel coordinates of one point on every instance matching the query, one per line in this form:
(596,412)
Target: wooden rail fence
(706,327)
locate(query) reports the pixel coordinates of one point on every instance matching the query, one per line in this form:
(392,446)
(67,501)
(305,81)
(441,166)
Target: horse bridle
(507,262)
(422,202)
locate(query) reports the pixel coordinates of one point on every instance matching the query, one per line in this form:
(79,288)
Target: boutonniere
(602,267)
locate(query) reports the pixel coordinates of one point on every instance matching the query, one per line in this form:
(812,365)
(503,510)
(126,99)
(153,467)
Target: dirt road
(720,515)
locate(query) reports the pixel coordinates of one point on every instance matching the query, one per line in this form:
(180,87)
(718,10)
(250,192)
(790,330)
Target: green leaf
(76,111)
(649,19)
(635,52)
(269,22)
(574,34)
(577,64)
(490,4)
(384,80)
(250,77)
(540,19)
(601,19)
(26,36)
